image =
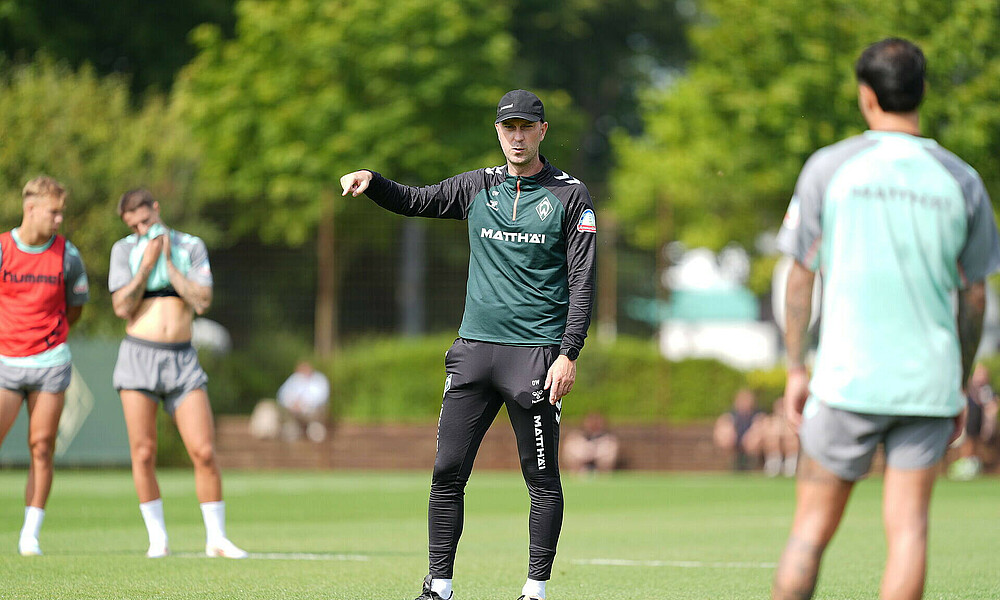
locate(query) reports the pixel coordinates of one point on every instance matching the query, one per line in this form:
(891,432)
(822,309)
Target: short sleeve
(77,284)
(981,254)
(201,270)
(119,273)
(802,228)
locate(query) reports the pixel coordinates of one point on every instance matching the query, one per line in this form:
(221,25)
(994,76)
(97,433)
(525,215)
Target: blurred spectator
(593,448)
(781,445)
(265,420)
(980,425)
(304,396)
(740,430)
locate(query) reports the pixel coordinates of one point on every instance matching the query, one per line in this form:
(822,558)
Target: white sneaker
(29,547)
(791,463)
(157,551)
(224,549)
(772,465)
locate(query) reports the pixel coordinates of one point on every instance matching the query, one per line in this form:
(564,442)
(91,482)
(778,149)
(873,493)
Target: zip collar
(531,182)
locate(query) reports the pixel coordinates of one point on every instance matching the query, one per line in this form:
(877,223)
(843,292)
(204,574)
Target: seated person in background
(304,396)
(781,445)
(980,423)
(265,420)
(592,448)
(740,430)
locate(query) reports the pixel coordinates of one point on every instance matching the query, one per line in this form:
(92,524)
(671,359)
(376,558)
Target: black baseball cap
(520,104)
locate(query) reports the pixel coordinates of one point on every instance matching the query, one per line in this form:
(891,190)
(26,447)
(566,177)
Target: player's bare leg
(905,505)
(10,405)
(44,410)
(820,498)
(140,421)
(197,429)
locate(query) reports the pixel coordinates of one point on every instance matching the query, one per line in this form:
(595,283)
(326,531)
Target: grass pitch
(358,536)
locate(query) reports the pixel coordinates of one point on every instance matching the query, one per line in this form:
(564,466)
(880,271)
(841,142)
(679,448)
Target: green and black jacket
(533,247)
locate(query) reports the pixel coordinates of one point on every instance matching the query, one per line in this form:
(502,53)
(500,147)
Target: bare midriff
(167,320)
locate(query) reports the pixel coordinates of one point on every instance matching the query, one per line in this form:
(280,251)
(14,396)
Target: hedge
(395,379)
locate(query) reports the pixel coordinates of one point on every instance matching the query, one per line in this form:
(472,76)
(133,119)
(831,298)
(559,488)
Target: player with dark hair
(43,287)
(159,279)
(530,291)
(897,224)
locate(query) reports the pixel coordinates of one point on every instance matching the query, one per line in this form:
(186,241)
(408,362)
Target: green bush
(389,379)
(170,450)
(238,380)
(402,379)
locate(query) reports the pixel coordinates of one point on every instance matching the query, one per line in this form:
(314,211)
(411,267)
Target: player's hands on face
(356,182)
(560,378)
(153,251)
(166,244)
(796,394)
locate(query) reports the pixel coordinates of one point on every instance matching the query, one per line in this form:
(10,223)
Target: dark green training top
(532,243)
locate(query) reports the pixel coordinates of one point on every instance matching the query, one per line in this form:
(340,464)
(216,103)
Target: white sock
(441,587)
(214,514)
(33,517)
(156,527)
(533,588)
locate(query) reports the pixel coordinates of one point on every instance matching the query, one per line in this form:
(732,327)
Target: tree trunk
(412,270)
(326,330)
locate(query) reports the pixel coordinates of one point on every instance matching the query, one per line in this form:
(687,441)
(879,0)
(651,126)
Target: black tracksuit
(530,294)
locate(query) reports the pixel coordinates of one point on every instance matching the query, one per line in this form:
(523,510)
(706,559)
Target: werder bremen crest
(544,208)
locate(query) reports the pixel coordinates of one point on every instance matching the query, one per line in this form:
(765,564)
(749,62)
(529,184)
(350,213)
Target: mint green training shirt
(895,223)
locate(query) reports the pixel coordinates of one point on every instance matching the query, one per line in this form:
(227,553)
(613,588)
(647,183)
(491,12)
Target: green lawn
(356,536)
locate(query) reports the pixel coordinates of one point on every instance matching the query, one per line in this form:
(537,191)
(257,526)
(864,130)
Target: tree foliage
(145,41)
(308,90)
(771,83)
(82,130)
(602,52)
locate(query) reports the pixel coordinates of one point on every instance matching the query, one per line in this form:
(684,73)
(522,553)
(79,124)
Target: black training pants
(482,377)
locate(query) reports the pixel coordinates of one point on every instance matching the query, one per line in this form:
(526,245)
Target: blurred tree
(84,131)
(774,81)
(309,89)
(602,52)
(147,41)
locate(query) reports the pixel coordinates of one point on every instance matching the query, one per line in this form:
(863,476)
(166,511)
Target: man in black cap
(532,238)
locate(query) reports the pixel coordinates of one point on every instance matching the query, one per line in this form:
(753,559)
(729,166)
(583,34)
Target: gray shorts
(845,442)
(164,372)
(30,379)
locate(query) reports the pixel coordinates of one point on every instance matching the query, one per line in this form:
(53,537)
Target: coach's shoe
(427,594)
(158,551)
(223,548)
(29,547)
